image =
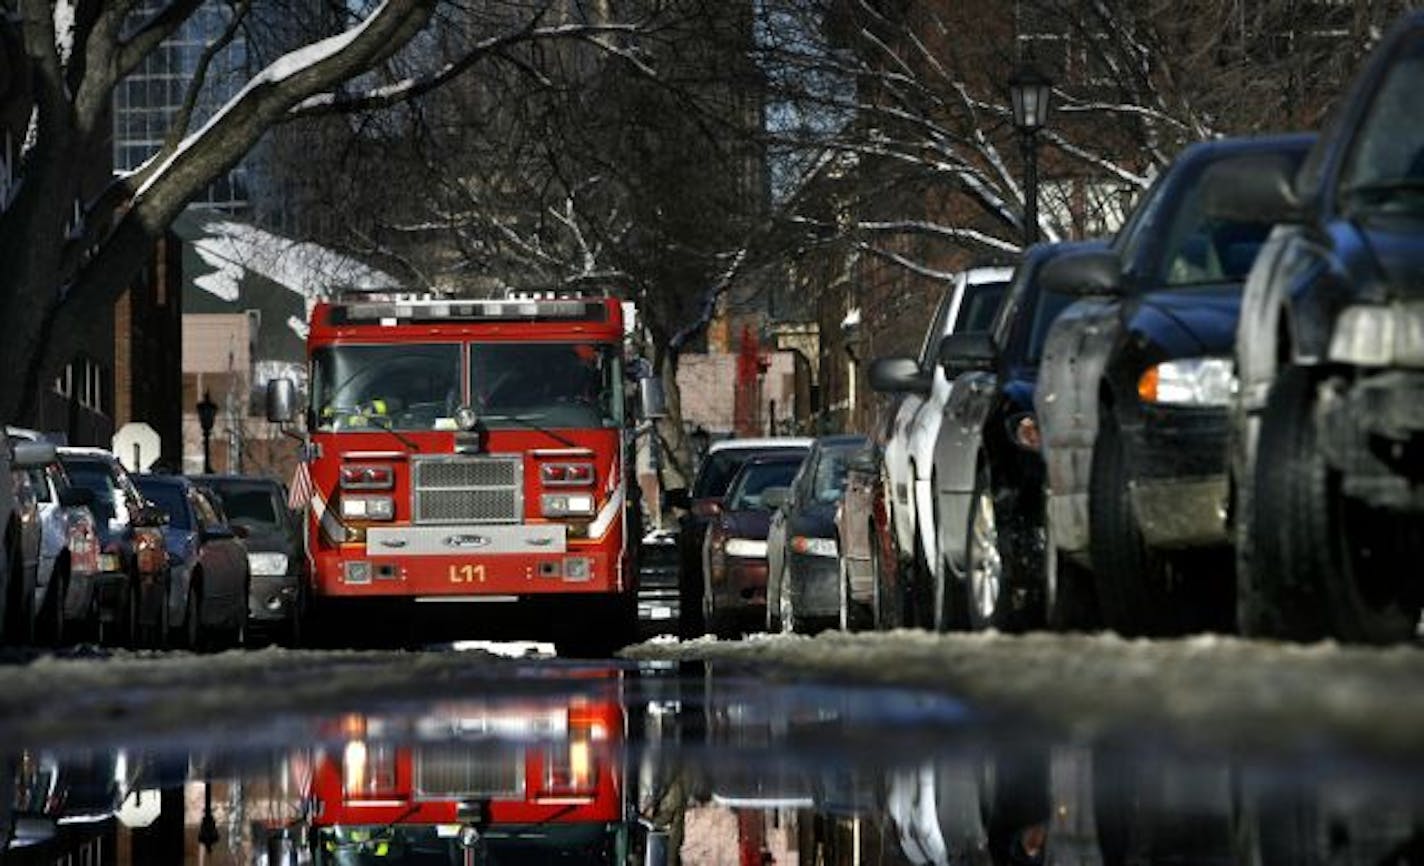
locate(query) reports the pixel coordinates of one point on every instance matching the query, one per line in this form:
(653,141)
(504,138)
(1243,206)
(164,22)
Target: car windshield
(112,492)
(720,468)
(170,499)
(981,302)
(755,479)
(549,384)
(829,482)
(249,504)
(399,387)
(1385,167)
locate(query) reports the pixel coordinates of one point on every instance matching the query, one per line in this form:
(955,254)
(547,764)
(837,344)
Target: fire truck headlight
(368,508)
(567,504)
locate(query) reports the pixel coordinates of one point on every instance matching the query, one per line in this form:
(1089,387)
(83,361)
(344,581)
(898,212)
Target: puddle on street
(651,764)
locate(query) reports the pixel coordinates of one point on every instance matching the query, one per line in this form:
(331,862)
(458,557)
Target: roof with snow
(231,266)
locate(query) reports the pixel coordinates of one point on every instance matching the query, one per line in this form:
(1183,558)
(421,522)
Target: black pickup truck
(1328,421)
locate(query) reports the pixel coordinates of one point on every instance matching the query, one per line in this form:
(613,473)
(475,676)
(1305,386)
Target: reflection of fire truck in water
(472,451)
(537,783)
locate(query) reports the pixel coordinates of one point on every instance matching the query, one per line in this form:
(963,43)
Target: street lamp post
(1030,91)
(207,414)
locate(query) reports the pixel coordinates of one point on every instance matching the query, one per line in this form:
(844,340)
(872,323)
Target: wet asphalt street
(891,748)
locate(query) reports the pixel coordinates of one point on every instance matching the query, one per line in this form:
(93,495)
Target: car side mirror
(281,401)
(776,498)
(32,455)
(678,497)
(76,497)
(968,353)
(898,376)
(1254,188)
(1085,274)
(652,398)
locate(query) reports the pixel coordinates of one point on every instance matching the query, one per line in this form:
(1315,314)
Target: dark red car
(734,553)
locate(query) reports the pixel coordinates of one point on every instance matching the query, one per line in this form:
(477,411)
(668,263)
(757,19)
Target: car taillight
(367,477)
(83,547)
(149,551)
(567,474)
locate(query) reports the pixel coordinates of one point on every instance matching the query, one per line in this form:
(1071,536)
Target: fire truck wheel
(603,627)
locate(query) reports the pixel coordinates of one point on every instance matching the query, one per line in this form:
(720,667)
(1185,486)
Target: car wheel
(711,619)
(924,589)
(1131,580)
(786,612)
(1001,590)
(1322,558)
(884,609)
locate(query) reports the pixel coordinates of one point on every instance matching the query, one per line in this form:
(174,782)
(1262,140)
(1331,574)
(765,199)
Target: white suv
(969,305)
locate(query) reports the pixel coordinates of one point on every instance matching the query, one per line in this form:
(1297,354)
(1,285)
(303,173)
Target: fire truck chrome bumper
(447,540)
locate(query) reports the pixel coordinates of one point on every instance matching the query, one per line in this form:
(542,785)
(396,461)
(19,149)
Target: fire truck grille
(469,490)
(460,770)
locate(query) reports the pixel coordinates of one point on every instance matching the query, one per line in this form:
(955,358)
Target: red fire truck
(537,782)
(472,450)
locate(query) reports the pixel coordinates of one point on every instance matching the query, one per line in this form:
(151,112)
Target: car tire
(787,619)
(1070,602)
(712,619)
(1131,581)
(607,626)
(887,607)
(999,556)
(853,616)
(193,634)
(1321,558)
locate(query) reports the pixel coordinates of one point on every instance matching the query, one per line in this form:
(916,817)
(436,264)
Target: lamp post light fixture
(207,414)
(1030,91)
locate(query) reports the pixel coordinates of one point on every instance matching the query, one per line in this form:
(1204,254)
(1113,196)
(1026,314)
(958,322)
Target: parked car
(69,546)
(206,596)
(987,467)
(700,505)
(130,544)
(969,306)
(1132,401)
(803,557)
(1328,420)
(275,555)
(872,594)
(20,535)
(734,553)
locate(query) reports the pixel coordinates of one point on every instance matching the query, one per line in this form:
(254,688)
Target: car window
(1385,166)
(829,479)
(249,503)
(755,479)
(1048,307)
(110,496)
(39,481)
(936,330)
(1140,223)
(981,303)
(1201,250)
(170,499)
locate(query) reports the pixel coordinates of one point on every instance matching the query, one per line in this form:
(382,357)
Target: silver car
(20,535)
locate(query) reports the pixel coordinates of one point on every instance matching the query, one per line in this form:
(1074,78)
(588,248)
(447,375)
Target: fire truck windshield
(419,386)
(566,385)
(399,387)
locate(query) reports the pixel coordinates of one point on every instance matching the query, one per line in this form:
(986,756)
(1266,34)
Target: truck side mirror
(898,376)
(652,398)
(1091,273)
(967,352)
(281,401)
(1255,188)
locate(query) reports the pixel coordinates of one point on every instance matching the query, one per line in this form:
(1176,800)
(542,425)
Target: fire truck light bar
(469,311)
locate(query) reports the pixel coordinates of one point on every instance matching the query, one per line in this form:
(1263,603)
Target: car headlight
(567,504)
(110,562)
(267,564)
(747,548)
(813,546)
(1189,382)
(1379,335)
